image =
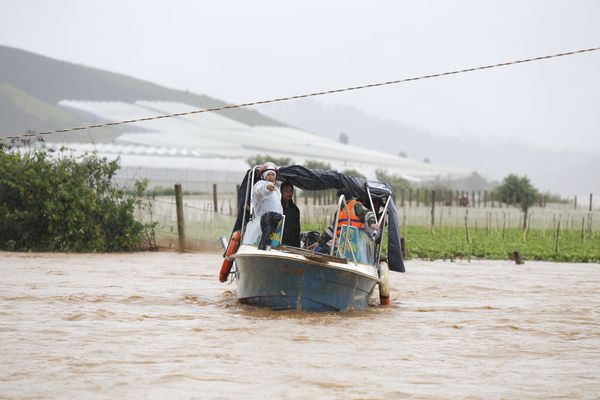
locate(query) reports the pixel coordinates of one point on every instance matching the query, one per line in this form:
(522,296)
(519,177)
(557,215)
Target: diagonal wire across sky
(301,96)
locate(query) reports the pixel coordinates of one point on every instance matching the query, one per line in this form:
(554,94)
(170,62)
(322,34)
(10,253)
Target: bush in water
(60,202)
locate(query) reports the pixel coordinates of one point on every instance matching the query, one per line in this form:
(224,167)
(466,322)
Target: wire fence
(203,225)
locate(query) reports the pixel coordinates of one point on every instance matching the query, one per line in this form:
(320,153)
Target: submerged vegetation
(55,201)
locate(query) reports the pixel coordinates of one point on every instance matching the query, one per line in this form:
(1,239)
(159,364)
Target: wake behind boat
(286,277)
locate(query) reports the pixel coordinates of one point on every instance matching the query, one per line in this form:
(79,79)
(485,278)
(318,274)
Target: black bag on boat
(268,225)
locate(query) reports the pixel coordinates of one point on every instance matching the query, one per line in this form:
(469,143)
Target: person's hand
(313,246)
(373,227)
(270,187)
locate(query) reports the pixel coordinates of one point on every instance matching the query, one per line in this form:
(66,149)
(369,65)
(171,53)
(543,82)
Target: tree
(260,159)
(344,138)
(475,181)
(314,164)
(353,172)
(396,182)
(402,154)
(517,190)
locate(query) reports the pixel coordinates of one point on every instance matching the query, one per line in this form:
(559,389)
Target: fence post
(432,208)
(525,206)
(215,202)
(590,201)
(180,223)
(575,202)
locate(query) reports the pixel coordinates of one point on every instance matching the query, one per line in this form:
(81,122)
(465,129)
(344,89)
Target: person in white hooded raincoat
(266,202)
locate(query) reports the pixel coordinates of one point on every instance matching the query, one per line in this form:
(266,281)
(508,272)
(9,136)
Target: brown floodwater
(160,325)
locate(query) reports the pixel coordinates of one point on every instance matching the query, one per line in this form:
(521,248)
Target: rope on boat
(322,93)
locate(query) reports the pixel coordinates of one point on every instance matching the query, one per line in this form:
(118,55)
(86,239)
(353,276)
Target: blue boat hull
(284,283)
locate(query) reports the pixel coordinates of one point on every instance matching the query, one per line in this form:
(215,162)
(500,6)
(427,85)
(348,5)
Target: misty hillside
(564,172)
(31,86)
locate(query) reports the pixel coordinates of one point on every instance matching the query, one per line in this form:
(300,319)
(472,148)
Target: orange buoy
(232,247)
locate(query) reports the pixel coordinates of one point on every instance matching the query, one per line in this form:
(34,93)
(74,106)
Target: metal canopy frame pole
(384,213)
(372,206)
(249,186)
(341,200)
(378,221)
(379,245)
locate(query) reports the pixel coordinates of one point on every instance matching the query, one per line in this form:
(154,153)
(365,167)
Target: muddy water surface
(160,325)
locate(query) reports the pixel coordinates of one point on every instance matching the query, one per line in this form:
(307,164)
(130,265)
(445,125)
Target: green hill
(31,86)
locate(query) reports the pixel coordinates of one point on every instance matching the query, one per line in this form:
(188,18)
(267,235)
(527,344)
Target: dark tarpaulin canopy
(315,179)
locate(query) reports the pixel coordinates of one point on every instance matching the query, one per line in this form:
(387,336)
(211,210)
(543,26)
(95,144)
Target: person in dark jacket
(291,230)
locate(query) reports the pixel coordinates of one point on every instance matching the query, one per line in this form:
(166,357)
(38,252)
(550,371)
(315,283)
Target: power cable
(302,96)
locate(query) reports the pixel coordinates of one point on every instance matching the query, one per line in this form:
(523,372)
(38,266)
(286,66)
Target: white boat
(284,277)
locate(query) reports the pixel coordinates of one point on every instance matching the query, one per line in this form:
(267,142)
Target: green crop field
(450,243)
(535,244)
(574,244)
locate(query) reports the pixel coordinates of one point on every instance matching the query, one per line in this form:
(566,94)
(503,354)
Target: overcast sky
(240,51)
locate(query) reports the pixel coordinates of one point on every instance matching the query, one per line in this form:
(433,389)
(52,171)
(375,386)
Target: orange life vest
(354,219)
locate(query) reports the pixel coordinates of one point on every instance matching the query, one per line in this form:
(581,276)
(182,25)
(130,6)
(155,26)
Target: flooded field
(160,325)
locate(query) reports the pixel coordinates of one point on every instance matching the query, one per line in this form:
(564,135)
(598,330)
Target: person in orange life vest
(359,215)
